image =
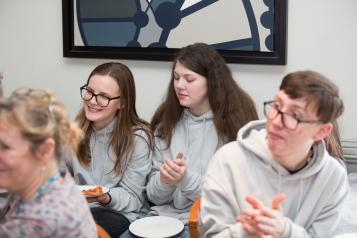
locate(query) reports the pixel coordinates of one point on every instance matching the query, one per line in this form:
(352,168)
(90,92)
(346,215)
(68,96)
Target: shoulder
(335,166)
(228,157)
(142,133)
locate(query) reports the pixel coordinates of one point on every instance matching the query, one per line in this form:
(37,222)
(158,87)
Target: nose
(179,83)
(93,100)
(278,120)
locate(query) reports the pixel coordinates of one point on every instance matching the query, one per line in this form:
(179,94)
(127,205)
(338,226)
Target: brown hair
(232,107)
(318,90)
(127,119)
(333,142)
(39,115)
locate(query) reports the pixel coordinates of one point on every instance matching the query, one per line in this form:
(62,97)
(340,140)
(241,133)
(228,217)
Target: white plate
(3,190)
(156,226)
(86,187)
(348,235)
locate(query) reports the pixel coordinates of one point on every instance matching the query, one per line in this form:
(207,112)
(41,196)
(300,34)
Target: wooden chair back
(193,221)
(101,232)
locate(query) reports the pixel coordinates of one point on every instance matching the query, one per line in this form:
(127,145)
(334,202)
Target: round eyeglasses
(102,100)
(290,121)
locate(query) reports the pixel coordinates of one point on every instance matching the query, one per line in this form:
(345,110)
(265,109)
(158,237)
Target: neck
(200,111)
(291,163)
(39,178)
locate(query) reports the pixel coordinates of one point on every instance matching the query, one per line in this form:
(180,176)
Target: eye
(89,91)
(276,106)
(190,79)
(296,115)
(4,146)
(176,77)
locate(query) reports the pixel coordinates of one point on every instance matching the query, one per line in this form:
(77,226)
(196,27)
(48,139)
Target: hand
(249,224)
(173,171)
(247,219)
(271,223)
(261,220)
(103,199)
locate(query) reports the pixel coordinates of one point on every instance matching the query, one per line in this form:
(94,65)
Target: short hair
(38,115)
(318,90)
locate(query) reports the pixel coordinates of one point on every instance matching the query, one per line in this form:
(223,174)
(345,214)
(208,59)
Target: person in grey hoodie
(277,179)
(203,106)
(116,149)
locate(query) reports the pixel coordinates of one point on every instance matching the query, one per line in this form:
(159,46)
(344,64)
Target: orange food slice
(98,190)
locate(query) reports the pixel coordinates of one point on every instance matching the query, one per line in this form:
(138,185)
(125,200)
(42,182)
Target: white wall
(322,35)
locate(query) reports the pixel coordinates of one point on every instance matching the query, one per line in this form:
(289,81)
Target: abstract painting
(243,31)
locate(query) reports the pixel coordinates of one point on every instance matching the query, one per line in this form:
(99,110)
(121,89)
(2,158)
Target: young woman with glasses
(116,149)
(278,179)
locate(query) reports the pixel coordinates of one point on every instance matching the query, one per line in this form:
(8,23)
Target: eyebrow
(99,93)
(293,106)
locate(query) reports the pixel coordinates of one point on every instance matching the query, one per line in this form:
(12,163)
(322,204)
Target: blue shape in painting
(267,20)
(148,23)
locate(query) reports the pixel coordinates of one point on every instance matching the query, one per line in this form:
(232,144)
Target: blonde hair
(39,115)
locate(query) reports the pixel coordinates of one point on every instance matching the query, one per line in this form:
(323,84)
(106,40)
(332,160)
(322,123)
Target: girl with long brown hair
(203,109)
(116,149)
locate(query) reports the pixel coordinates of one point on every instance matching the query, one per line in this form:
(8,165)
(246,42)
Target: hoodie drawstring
(96,180)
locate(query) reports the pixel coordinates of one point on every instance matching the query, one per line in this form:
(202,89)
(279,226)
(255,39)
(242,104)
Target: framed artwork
(243,31)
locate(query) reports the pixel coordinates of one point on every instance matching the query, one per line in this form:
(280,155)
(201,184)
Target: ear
(46,150)
(121,104)
(325,130)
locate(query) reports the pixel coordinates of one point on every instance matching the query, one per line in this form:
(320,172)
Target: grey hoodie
(314,195)
(127,188)
(197,139)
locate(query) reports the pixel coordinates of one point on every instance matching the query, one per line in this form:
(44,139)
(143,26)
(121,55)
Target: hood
(102,135)
(187,115)
(253,138)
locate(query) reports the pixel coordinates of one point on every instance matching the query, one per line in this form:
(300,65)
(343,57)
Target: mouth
(182,96)
(275,136)
(93,109)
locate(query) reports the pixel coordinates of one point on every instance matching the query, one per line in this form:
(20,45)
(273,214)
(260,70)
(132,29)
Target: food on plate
(95,191)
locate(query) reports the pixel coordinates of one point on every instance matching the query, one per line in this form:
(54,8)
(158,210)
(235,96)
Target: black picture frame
(278,56)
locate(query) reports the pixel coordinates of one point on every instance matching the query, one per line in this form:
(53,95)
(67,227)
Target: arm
(129,194)
(218,211)
(191,185)
(158,191)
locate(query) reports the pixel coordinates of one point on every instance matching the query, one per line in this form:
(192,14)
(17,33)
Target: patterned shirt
(55,210)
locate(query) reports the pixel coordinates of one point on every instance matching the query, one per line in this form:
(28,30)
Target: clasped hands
(173,171)
(263,221)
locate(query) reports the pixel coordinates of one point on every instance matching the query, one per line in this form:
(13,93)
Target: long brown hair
(232,107)
(127,119)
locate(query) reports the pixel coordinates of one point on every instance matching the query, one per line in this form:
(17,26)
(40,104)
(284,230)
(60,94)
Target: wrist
(107,195)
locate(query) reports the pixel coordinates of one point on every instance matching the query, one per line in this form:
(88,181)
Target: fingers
(172,168)
(179,155)
(254,202)
(104,198)
(172,171)
(277,201)
(250,226)
(91,199)
(165,176)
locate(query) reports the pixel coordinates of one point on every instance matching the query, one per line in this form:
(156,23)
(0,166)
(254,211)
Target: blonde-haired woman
(35,133)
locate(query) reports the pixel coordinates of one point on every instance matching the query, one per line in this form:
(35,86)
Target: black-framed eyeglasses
(101,100)
(289,120)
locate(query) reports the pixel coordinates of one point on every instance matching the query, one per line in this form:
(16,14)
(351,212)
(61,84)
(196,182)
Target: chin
(275,147)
